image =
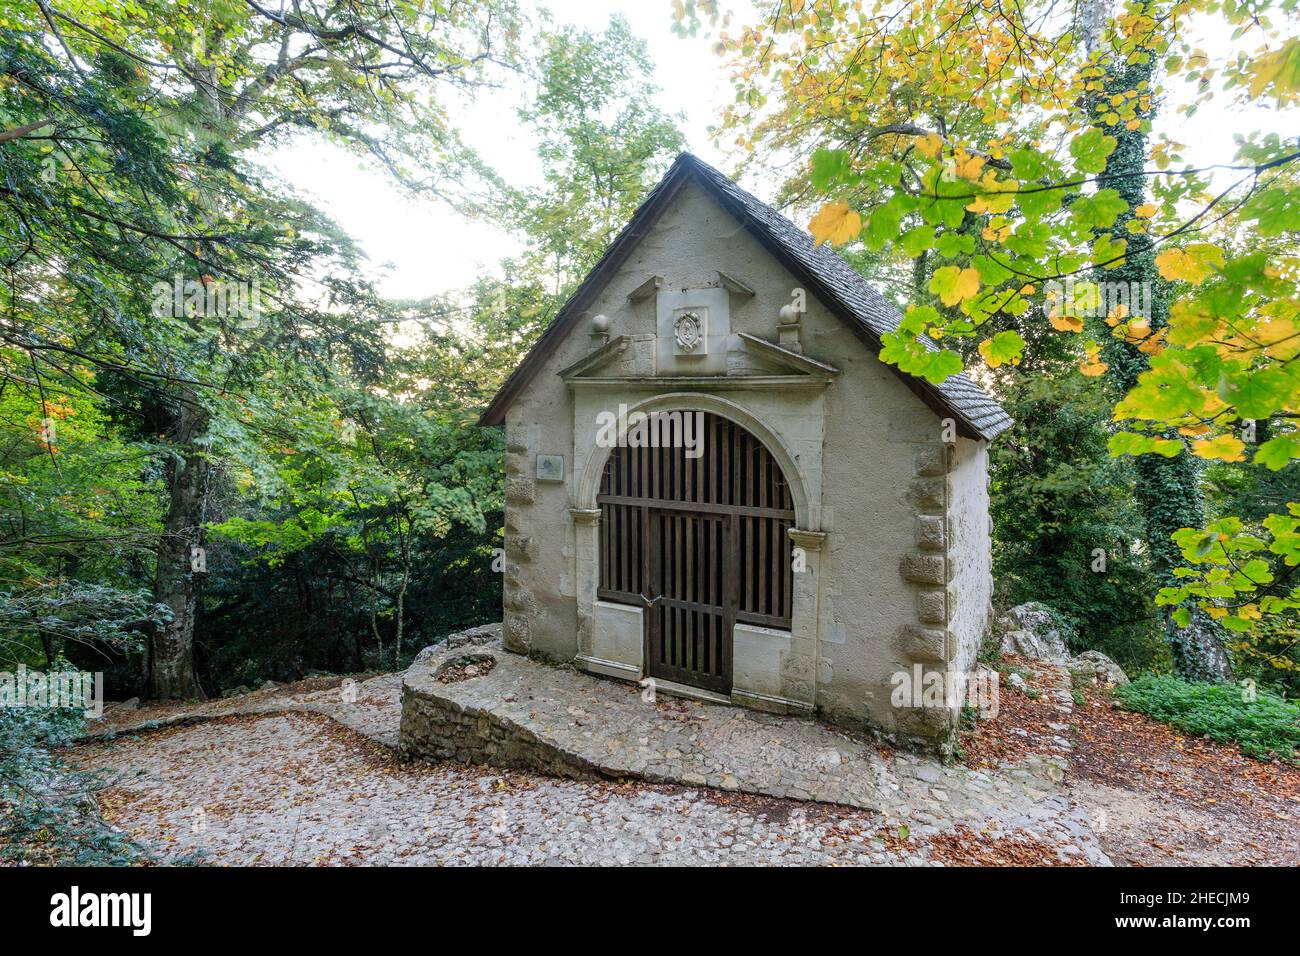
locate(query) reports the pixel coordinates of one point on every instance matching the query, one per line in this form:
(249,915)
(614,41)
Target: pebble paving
(313,779)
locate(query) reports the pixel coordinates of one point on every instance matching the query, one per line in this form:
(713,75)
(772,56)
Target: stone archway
(807,509)
(695,515)
(774,668)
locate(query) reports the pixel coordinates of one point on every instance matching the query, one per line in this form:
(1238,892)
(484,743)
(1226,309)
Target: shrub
(47,811)
(1264,727)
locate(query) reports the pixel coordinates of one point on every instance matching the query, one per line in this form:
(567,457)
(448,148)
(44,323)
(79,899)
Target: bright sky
(433,250)
(429,250)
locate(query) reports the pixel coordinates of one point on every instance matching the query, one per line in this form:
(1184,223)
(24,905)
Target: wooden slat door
(691,601)
(701,542)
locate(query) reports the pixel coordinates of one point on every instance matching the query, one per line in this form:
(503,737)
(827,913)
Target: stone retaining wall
(435,727)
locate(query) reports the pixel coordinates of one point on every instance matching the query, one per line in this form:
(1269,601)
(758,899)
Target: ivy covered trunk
(178,580)
(1167,489)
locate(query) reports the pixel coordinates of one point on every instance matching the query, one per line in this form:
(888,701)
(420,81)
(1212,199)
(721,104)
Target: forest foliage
(225,458)
(1009,160)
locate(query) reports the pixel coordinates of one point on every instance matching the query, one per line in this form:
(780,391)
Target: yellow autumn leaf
(1065,323)
(835,222)
(1092,365)
(929,146)
(1223,448)
(1277,72)
(1153,344)
(1145,211)
(954,285)
(1280,338)
(969,166)
(1191,263)
(1136,331)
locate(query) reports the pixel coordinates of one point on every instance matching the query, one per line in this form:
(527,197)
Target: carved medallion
(688,330)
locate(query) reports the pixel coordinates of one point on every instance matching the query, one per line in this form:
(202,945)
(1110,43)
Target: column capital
(585,516)
(808,540)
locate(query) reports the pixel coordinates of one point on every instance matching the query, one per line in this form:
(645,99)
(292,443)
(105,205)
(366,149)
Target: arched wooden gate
(700,542)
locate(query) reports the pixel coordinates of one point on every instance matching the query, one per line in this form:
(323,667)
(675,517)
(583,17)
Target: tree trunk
(1167,489)
(176,583)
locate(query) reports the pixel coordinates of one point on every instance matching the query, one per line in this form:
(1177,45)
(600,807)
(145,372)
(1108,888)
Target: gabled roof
(828,277)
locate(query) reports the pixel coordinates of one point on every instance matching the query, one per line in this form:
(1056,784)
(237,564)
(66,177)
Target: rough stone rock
(1016,681)
(1198,650)
(483,634)
(269,685)
(922,568)
(1099,668)
(1030,630)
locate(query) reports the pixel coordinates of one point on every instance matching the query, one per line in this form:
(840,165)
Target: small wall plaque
(550,467)
(691,330)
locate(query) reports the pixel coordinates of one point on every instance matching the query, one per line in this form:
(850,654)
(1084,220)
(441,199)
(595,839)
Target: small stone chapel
(715,484)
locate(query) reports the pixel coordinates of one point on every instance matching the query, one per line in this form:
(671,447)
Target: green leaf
(1098,211)
(1277,210)
(885,222)
(953,244)
(1131,443)
(1030,240)
(1035,204)
(1108,252)
(1090,150)
(830,167)
(1004,348)
(1257,392)
(915,241)
(1028,165)
(1276,453)
(992,273)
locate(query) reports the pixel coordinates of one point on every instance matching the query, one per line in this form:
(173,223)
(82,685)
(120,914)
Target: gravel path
(298,789)
(307,775)
(271,779)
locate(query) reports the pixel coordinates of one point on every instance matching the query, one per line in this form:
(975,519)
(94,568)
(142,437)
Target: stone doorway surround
(772,670)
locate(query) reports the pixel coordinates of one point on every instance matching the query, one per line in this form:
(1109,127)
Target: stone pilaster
(800,671)
(586,524)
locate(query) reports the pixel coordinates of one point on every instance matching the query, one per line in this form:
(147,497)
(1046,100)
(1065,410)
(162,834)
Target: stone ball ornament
(600,323)
(688,330)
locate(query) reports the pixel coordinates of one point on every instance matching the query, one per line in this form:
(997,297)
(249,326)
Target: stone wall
(435,727)
(926,639)
(970,551)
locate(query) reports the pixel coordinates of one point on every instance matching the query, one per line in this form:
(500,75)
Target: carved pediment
(751,362)
(781,359)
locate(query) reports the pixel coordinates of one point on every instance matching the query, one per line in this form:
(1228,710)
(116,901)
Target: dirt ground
(1161,798)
